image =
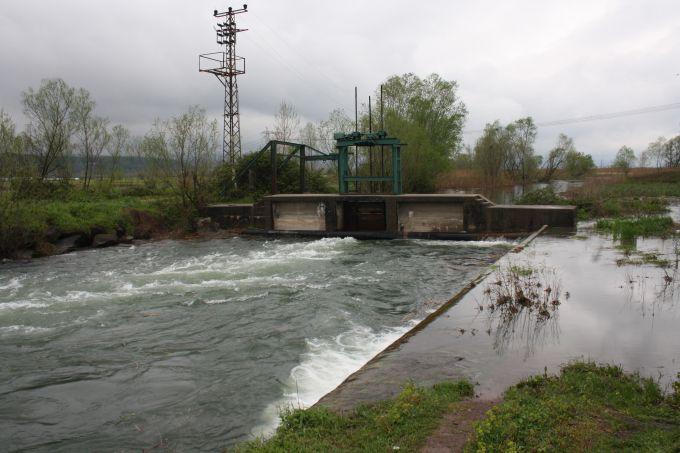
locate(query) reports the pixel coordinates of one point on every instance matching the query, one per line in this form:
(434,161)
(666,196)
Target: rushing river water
(195,345)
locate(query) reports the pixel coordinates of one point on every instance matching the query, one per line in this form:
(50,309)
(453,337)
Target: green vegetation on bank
(586,408)
(637,196)
(627,229)
(403,423)
(55,210)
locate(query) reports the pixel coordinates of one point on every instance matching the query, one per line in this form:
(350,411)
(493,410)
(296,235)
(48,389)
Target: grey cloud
(546,59)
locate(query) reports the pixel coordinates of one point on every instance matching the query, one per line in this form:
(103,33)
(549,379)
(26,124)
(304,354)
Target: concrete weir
(435,216)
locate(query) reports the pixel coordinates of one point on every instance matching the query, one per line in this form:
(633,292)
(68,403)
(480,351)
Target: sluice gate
(436,216)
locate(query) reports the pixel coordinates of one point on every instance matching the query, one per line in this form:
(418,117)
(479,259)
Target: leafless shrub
(522,303)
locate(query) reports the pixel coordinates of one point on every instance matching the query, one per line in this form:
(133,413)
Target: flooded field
(195,345)
(561,299)
(509,195)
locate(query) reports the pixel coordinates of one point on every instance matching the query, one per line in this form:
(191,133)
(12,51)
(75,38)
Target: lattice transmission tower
(226,66)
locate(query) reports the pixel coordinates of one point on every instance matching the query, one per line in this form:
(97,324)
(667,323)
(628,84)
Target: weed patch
(400,424)
(522,303)
(587,407)
(629,229)
(635,258)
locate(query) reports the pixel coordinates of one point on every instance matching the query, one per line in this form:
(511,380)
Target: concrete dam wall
(437,216)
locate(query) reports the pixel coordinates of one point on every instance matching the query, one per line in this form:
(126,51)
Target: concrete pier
(437,216)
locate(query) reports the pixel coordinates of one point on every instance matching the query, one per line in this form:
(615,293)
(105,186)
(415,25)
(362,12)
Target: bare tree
(286,124)
(51,125)
(120,145)
(183,150)
(337,121)
(671,152)
(520,158)
(557,156)
(8,148)
(655,152)
(309,135)
(92,133)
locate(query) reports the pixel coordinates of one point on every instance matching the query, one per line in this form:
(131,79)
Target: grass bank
(401,424)
(33,224)
(586,408)
(628,229)
(639,194)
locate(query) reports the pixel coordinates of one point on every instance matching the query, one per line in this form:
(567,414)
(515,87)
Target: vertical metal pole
(370,148)
(396,170)
(232,138)
(356,112)
(303,167)
(382,147)
(356,129)
(356,168)
(342,169)
(382,118)
(274,165)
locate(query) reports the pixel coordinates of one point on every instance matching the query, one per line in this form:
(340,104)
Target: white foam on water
(483,243)
(272,253)
(21,305)
(24,329)
(12,285)
(273,280)
(325,364)
(237,299)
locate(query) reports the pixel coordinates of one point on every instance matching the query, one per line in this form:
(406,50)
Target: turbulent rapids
(197,344)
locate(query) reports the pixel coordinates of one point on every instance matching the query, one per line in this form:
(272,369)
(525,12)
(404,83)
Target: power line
(601,116)
(300,55)
(271,50)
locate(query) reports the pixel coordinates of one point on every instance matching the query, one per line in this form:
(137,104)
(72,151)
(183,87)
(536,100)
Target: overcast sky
(548,59)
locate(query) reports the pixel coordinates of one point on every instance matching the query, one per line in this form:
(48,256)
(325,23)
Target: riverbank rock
(104,240)
(23,255)
(67,244)
(206,224)
(52,234)
(144,224)
(44,249)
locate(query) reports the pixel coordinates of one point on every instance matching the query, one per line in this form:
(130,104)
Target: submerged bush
(546,195)
(628,229)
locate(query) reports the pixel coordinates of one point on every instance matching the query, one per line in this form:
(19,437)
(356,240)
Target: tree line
(63,129)
(661,153)
(180,154)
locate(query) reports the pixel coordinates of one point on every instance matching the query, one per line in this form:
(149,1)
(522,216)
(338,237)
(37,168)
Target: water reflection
(662,286)
(522,305)
(508,195)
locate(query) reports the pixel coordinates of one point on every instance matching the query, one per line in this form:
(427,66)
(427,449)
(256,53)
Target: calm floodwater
(611,308)
(195,345)
(509,195)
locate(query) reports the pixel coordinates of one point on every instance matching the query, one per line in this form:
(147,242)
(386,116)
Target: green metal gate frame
(358,139)
(343,143)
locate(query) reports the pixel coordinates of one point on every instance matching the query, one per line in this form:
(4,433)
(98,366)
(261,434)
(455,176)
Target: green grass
(638,188)
(635,258)
(628,229)
(618,200)
(25,222)
(619,204)
(586,408)
(403,423)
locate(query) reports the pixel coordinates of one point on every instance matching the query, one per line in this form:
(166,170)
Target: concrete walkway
(624,314)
